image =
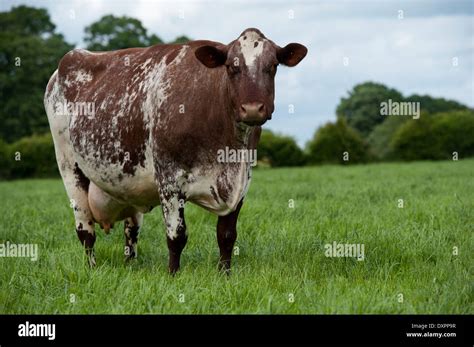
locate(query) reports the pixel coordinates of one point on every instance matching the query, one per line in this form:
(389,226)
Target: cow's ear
(291,54)
(211,56)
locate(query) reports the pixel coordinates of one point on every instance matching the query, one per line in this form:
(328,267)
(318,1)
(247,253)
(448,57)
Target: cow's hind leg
(77,187)
(132,228)
(226,236)
(75,182)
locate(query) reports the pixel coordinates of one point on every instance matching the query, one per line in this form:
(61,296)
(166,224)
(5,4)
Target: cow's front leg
(176,237)
(226,236)
(131,230)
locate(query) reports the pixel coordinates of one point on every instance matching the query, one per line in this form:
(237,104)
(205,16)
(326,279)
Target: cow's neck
(243,132)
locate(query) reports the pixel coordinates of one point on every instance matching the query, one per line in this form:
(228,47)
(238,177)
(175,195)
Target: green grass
(408,250)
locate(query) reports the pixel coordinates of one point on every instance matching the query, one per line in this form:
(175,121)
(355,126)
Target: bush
(435,137)
(379,139)
(32,157)
(5,160)
(382,135)
(278,150)
(332,140)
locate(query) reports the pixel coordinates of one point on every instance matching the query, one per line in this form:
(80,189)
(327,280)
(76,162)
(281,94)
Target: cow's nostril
(253,110)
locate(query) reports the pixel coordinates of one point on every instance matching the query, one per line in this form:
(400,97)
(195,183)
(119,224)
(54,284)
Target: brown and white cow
(141,127)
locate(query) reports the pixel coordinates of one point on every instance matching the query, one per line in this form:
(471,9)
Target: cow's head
(251,62)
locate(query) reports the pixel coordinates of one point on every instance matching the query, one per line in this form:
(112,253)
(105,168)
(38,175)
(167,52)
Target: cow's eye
(233,69)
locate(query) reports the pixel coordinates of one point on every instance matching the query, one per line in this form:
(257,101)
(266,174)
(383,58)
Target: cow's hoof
(91,261)
(224,267)
(130,253)
(173,271)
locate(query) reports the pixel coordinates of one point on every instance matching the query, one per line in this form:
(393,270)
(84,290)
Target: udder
(106,209)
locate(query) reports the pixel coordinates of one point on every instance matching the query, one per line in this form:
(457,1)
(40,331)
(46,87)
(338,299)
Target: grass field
(281,266)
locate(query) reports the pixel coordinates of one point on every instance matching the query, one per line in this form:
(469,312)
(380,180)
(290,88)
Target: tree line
(30,48)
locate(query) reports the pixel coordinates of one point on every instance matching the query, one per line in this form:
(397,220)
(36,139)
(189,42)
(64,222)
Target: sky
(414,46)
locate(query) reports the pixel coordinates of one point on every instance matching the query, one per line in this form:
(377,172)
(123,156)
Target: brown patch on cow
(223,186)
(87,239)
(81,180)
(133,233)
(170,57)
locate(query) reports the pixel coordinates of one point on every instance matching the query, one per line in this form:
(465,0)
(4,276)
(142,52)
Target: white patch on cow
(180,56)
(67,82)
(156,86)
(169,186)
(85,51)
(237,177)
(83,76)
(172,219)
(146,63)
(77,77)
(248,49)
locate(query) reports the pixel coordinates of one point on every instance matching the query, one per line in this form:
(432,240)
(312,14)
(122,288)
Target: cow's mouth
(255,122)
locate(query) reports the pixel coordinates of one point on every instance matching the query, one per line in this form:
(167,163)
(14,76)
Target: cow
(141,127)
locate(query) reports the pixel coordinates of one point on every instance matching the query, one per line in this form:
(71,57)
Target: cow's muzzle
(254,113)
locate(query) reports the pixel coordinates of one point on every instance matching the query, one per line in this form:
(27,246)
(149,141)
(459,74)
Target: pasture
(417,259)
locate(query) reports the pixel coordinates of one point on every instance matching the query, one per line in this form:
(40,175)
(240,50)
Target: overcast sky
(408,45)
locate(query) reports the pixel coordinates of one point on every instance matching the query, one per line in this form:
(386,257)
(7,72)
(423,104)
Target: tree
(30,49)
(181,39)
(361,109)
(111,33)
(436,105)
(279,150)
(337,143)
(435,137)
